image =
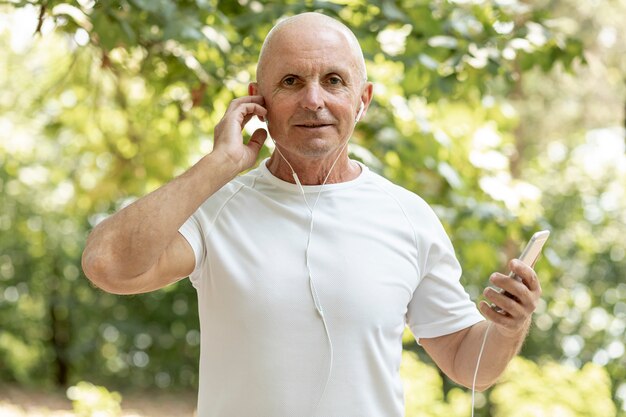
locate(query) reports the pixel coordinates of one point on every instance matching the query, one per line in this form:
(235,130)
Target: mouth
(313,125)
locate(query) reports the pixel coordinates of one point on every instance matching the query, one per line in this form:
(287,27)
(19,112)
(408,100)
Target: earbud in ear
(358,116)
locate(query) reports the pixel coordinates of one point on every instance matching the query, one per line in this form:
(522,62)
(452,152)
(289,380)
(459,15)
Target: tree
(109,100)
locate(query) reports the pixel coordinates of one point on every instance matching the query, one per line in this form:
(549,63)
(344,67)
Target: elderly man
(309,267)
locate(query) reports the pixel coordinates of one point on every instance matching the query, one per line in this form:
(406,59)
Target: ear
(253,90)
(366,98)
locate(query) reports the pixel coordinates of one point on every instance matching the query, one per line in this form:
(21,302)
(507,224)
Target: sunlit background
(506,116)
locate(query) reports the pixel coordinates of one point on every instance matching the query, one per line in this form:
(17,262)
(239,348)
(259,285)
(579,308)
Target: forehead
(311,50)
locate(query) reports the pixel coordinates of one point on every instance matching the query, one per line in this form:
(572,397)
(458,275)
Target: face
(313,90)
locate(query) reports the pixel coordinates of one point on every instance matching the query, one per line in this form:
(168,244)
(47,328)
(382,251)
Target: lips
(313,125)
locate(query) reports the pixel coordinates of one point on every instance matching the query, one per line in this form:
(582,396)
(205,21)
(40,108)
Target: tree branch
(42,13)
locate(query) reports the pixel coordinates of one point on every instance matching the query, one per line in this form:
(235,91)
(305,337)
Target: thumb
(256,140)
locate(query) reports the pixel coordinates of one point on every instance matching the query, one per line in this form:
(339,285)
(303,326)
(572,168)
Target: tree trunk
(59,324)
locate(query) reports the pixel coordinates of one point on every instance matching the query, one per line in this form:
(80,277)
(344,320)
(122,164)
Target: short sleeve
(197,228)
(192,232)
(440,305)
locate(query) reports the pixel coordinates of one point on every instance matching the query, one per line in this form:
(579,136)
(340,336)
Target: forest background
(506,116)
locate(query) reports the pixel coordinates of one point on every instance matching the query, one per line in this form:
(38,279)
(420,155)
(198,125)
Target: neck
(313,171)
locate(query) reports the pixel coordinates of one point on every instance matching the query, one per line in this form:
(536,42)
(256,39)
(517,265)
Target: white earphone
(317,302)
(360,113)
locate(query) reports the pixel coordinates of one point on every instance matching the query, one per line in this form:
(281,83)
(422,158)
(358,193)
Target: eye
(289,80)
(334,80)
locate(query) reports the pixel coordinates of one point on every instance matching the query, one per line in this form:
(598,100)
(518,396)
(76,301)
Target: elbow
(482,387)
(479,387)
(97,267)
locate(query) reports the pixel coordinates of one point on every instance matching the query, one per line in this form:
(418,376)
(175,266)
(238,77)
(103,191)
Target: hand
(228,138)
(516,310)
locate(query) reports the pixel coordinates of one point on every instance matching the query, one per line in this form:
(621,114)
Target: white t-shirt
(380,260)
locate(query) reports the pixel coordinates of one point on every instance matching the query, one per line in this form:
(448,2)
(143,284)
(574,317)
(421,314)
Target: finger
(247,99)
(505,324)
(242,113)
(525,273)
(246,119)
(247,110)
(256,140)
(510,306)
(526,298)
(498,318)
(508,284)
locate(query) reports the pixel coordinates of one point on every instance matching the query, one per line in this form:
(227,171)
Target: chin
(309,145)
(319,147)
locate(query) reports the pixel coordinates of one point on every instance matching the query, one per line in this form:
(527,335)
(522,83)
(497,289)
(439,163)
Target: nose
(313,97)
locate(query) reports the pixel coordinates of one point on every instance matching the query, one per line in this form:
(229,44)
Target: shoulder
(213,204)
(411,202)
(421,217)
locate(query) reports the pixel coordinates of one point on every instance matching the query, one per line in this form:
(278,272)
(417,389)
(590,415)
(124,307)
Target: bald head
(308,23)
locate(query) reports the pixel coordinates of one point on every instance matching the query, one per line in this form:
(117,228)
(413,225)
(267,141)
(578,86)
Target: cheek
(278,108)
(344,113)
(275,117)
(273,112)
(342,106)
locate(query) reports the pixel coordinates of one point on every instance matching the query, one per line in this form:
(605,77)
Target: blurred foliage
(528,389)
(90,400)
(424,395)
(477,108)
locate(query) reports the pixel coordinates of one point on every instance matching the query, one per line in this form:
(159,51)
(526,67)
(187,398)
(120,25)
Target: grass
(20,402)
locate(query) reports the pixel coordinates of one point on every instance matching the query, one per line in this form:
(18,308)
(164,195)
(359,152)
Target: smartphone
(529,256)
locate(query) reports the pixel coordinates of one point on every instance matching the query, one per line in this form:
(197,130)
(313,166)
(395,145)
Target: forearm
(129,242)
(457,353)
(498,351)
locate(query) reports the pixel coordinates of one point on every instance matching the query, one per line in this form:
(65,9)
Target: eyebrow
(338,70)
(343,71)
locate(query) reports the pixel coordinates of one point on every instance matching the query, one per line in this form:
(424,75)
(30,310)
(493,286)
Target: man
(309,267)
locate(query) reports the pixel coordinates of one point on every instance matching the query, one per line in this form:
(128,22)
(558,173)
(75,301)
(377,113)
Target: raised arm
(139,249)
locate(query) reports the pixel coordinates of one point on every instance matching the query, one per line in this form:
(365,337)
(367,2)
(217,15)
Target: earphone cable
(314,295)
(480,355)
